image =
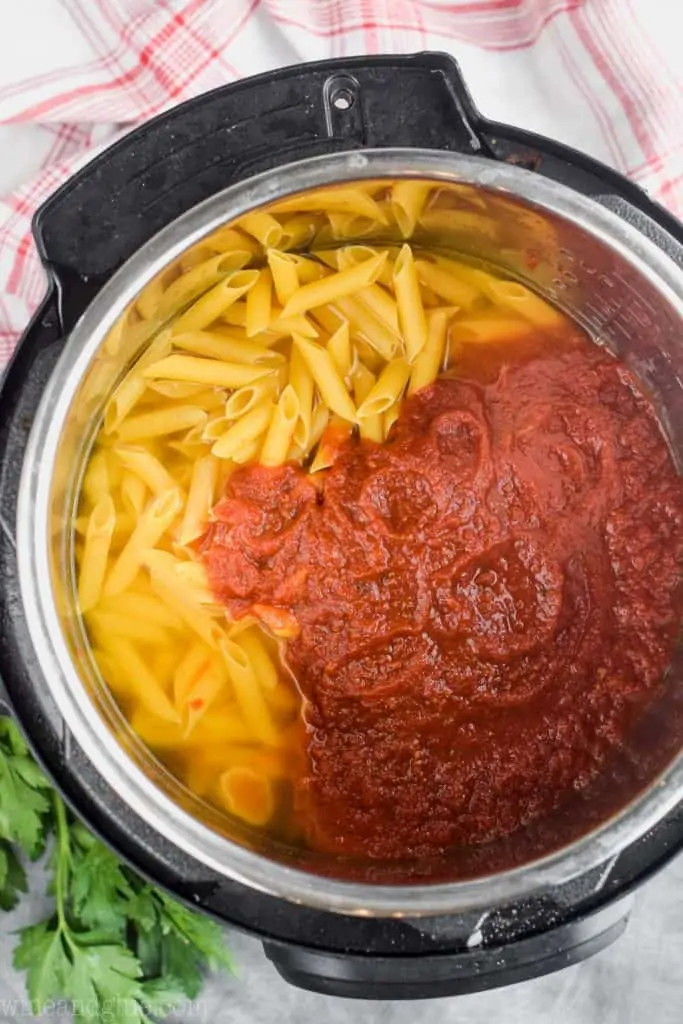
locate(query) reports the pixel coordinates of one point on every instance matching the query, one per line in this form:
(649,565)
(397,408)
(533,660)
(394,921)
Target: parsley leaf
(23,796)
(12,877)
(99,889)
(42,955)
(116,947)
(161,996)
(196,930)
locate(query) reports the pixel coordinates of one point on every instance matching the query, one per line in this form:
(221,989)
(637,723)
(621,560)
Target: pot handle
(355,976)
(157,172)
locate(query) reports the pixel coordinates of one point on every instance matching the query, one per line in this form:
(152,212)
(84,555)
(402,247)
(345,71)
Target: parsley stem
(63,862)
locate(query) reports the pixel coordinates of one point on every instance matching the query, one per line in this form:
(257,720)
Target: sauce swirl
(484,605)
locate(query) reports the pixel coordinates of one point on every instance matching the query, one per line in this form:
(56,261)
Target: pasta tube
(93,565)
(263,227)
(248,693)
(147,467)
(248,428)
(407,200)
(339,347)
(151,526)
(160,422)
(447,285)
(283,267)
(301,381)
(206,371)
(259,301)
(388,389)
(200,499)
(281,429)
(410,310)
(214,302)
(247,794)
(336,286)
(430,360)
(371,427)
(217,346)
(327,378)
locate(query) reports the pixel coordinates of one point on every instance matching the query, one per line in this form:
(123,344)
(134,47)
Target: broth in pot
(378,551)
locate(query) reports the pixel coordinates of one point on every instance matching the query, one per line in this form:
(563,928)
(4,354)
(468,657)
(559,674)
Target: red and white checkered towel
(604,76)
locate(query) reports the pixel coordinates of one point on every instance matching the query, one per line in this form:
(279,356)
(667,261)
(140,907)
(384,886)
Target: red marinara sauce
(485,603)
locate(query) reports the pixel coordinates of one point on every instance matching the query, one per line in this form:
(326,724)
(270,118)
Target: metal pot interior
(605,275)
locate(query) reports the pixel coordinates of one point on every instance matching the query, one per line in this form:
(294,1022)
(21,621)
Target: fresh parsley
(114,944)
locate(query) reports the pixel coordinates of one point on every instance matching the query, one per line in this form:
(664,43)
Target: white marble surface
(638,980)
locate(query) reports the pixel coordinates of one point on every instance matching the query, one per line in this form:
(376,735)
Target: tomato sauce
(483,606)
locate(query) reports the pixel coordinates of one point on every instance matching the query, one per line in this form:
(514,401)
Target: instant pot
(576,231)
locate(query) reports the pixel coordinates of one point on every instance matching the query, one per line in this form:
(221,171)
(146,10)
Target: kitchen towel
(604,76)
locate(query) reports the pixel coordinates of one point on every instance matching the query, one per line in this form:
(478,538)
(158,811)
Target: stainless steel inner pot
(602,271)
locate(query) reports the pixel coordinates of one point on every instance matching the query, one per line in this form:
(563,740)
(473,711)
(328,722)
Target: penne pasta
(336,286)
(248,694)
(336,431)
(131,390)
(247,794)
(387,390)
(235,315)
(350,255)
(174,594)
(140,680)
(194,256)
(206,371)
(189,286)
(263,227)
(327,378)
(150,528)
(459,222)
(175,389)
(411,313)
(301,382)
(196,660)
(291,325)
(298,230)
(319,422)
(226,240)
(339,347)
(159,422)
(446,285)
(266,673)
(215,301)
(247,430)
(429,362)
(217,346)
(335,200)
(521,300)
(108,626)
(488,328)
(97,478)
(407,200)
(281,429)
(284,270)
(200,499)
(371,427)
(133,492)
(147,468)
(368,327)
(93,563)
(143,606)
(259,302)
(244,399)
